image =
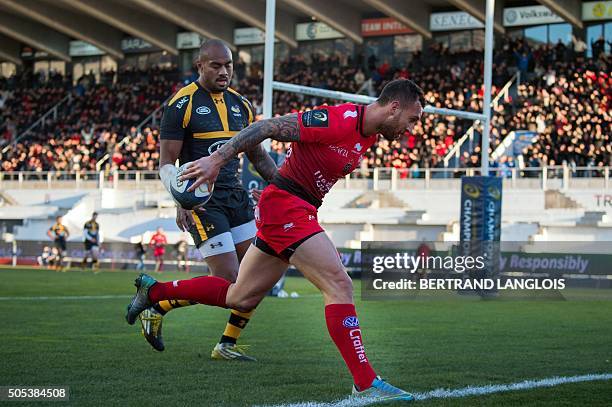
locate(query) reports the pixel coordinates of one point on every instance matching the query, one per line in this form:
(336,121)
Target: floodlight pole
(268,63)
(488,68)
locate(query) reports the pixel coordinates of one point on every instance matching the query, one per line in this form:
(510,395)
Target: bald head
(215,65)
(213,46)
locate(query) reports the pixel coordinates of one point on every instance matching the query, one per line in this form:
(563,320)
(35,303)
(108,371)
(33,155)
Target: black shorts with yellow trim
(226,209)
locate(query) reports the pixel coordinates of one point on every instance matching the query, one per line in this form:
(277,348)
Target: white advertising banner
(83,49)
(454,20)
(249,36)
(597,10)
(529,15)
(315,31)
(188,40)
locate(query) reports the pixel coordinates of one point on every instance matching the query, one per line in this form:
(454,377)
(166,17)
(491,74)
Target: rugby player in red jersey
(158,243)
(327,144)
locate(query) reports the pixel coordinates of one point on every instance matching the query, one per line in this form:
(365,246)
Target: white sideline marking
(464,391)
(68,297)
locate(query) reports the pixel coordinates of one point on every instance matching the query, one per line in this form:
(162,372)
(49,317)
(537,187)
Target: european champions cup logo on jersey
(350,322)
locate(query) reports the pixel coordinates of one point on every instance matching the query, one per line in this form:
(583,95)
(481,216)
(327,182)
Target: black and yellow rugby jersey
(205,121)
(92,229)
(59,230)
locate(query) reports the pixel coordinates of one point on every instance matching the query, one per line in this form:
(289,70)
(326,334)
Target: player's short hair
(403,90)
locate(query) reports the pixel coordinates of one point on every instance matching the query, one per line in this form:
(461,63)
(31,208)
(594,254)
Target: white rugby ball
(178,189)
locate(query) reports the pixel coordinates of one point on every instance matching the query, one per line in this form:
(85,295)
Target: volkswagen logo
(350,322)
(511,16)
(311,31)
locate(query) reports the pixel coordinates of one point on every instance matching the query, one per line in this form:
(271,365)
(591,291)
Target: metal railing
(469,134)
(42,119)
(563,177)
(551,177)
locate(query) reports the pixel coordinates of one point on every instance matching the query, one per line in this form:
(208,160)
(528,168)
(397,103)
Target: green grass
(419,345)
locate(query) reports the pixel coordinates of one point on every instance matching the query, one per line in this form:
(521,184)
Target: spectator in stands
(580,48)
(598,47)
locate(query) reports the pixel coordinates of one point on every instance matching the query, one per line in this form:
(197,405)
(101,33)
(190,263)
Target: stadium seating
(348,215)
(101,125)
(94,124)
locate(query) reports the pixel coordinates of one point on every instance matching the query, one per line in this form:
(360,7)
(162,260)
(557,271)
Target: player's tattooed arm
(263,163)
(284,128)
(206,169)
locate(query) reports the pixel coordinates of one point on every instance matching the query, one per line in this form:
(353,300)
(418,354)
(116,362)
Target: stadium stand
(110,125)
(102,114)
(93,124)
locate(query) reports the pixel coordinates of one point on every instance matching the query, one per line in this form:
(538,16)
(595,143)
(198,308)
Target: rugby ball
(169,175)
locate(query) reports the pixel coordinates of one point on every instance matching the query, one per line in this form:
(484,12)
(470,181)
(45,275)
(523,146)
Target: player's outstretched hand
(184,220)
(204,170)
(256,194)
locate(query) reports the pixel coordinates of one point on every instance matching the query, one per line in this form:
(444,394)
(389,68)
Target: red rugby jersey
(332,145)
(158,240)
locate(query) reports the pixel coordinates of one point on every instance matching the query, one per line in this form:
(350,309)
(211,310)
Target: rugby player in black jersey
(199,119)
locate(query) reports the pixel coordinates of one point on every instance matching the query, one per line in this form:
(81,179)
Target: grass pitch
(418,345)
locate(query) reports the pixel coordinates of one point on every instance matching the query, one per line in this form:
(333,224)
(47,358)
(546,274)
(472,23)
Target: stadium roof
(49,25)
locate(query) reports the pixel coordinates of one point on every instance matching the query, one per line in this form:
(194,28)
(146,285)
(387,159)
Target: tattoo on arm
(263,163)
(284,128)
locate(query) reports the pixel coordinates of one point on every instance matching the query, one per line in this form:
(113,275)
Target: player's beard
(222,88)
(215,88)
(389,131)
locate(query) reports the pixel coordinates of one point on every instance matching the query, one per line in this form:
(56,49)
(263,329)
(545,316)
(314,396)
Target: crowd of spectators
(24,98)
(565,101)
(571,113)
(580,89)
(99,121)
(564,98)
(458,88)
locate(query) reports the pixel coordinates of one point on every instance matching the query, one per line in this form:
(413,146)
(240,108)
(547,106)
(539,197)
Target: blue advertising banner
(522,140)
(481,199)
(480,222)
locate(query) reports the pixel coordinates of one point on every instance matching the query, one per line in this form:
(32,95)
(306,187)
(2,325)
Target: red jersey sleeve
(320,125)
